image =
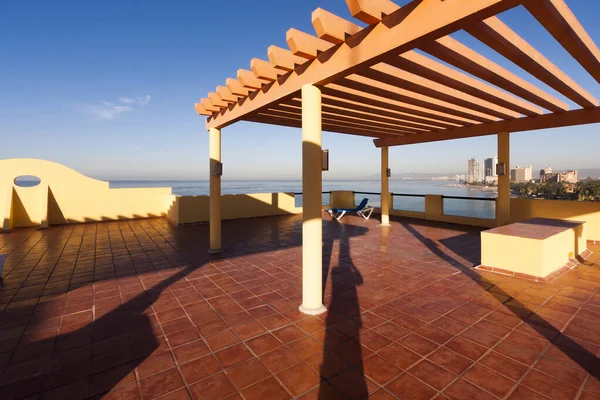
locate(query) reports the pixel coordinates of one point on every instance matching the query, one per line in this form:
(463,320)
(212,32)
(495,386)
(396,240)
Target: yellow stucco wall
(342,199)
(511,253)
(189,209)
(66,196)
(535,257)
(589,212)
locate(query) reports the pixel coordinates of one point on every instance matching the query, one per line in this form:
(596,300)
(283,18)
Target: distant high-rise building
(474,171)
(521,174)
(489,165)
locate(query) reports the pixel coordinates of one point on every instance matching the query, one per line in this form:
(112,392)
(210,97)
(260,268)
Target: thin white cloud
(108,110)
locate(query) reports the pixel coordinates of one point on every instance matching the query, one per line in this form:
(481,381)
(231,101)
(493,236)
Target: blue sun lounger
(362,209)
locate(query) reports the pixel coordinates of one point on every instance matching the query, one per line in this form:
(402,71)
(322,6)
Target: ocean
(468,208)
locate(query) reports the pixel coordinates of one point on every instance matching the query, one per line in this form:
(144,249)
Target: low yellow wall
(534,257)
(589,212)
(190,209)
(342,199)
(66,196)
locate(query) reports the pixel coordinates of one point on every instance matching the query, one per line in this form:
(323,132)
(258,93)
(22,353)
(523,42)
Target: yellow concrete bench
(534,248)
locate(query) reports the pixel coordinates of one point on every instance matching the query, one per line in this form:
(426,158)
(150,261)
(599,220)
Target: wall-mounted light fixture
(501,169)
(325,160)
(217,169)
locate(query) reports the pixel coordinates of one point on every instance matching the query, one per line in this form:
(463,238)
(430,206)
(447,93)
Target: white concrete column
(503,200)
(215,191)
(312,229)
(385,187)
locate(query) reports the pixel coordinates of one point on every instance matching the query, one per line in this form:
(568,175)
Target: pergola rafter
(374,82)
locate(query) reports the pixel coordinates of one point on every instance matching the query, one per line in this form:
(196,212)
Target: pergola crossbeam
(264,70)
(360,114)
(283,59)
(390,75)
(351,117)
(383,112)
(225,95)
(274,118)
(371,11)
(421,65)
(507,42)
(304,45)
(555,120)
(332,28)
(385,90)
(282,110)
(408,110)
(559,20)
(457,54)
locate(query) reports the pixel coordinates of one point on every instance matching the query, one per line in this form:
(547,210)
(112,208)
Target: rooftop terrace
(139,309)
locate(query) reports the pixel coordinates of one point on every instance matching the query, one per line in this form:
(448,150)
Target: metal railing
(469,198)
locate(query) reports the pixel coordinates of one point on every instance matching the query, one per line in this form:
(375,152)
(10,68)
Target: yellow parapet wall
(588,212)
(66,196)
(190,209)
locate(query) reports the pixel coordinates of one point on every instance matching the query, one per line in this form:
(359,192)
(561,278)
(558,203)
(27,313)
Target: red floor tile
(171,316)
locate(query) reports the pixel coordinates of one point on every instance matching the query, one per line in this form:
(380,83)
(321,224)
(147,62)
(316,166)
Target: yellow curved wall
(66,196)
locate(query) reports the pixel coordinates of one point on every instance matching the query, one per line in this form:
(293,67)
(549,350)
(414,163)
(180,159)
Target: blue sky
(108,88)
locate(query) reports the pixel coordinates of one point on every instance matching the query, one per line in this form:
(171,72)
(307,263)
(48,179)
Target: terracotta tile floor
(138,309)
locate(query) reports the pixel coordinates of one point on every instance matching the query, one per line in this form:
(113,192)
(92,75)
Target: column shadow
(342,351)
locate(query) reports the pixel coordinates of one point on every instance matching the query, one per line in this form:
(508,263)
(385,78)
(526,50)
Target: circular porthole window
(27,181)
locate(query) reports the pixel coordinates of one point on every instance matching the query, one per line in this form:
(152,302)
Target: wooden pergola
(370,81)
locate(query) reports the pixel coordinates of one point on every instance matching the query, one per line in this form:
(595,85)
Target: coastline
(491,189)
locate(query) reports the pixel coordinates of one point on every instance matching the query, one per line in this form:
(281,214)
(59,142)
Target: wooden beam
(216,100)
(559,20)
(201,110)
(249,80)
(387,91)
(398,117)
(426,67)
(455,53)
(273,118)
(546,121)
(402,31)
(209,106)
(264,70)
(283,59)
(396,77)
(336,30)
(304,45)
(350,111)
(333,116)
(507,42)
(332,28)
(371,11)
(236,88)
(225,95)
(409,111)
